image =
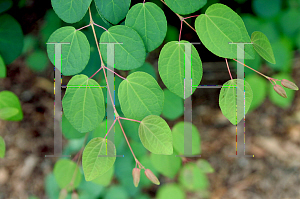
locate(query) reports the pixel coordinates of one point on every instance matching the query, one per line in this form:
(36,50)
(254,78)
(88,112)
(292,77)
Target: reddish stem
(252,69)
(129,119)
(110,128)
(115,73)
(228,68)
(180,30)
(83,27)
(100,26)
(96,72)
(191,16)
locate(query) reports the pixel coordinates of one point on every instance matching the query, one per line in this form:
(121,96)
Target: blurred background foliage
(277,19)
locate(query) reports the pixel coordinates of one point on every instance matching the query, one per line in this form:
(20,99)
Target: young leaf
(151,177)
(215,29)
(156,135)
(113,10)
(228,99)
(83,103)
(150,22)
(167,165)
(67,174)
(93,165)
(9,99)
(171,65)
(2,147)
(140,96)
(68,130)
(11,44)
(8,112)
(178,138)
(129,55)
(192,178)
(262,46)
(70,11)
(185,7)
(173,105)
(170,190)
(74,56)
(136,173)
(2,68)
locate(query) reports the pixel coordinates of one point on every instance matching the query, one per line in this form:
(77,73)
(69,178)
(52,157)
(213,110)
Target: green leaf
(9,99)
(94,166)
(83,103)
(70,11)
(37,61)
(5,5)
(266,8)
(68,130)
(170,191)
(140,96)
(156,135)
(228,99)
(8,112)
(129,55)
(185,7)
(204,166)
(67,174)
(173,106)
(11,42)
(178,138)
(113,10)
(171,65)
(2,147)
(277,99)
(106,178)
(2,68)
(192,178)
(284,56)
(74,56)
(259,86)
(167,165)
(150,22)
(219,23)
(262,46)
(147,68)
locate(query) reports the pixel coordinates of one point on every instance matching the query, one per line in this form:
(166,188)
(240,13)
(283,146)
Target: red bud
(280,90)
(288,84)
(136,173)
(151,177)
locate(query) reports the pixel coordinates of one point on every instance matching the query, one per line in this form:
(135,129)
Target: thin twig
(136,160)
